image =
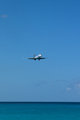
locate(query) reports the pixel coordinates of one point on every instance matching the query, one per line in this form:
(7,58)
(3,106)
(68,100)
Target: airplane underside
(38,59)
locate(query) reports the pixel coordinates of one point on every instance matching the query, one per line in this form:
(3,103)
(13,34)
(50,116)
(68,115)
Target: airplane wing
(30,58)
(42,58)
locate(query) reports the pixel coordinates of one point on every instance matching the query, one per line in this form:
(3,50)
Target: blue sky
(47,27)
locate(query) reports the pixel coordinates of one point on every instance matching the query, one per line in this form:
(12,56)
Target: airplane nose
(40,55)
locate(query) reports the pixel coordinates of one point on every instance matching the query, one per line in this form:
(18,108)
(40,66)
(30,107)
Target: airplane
(39,57)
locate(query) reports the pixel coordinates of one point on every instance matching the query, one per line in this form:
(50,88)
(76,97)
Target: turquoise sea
(39,111)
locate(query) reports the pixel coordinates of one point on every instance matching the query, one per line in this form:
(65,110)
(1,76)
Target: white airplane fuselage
(38,56)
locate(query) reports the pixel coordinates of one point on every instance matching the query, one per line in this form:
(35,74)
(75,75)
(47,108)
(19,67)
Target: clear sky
(47,27)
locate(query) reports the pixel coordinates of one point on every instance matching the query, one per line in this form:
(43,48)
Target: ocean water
(40,111)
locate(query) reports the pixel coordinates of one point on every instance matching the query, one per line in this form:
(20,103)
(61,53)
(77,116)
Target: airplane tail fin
(34,55)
